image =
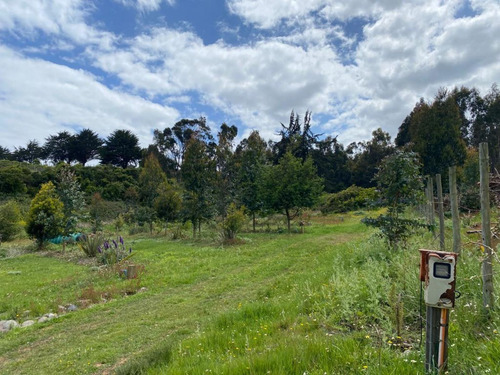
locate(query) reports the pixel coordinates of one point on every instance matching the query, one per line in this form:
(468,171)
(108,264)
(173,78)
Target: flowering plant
(113,251)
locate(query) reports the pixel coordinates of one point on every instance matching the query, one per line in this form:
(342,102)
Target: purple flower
(99,249)
(121,240)
(106,245)
(129,250)
(114,243)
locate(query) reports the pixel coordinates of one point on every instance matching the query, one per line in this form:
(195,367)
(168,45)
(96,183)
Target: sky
(142,65)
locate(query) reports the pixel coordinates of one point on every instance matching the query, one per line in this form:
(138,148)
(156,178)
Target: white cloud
(267,14)
(145,5)
(60,18)
(39,98)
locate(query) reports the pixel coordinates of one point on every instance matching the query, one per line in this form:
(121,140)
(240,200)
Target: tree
(435,134)
(198,175)
(251,158)
(168,202)
(5,153)
(121,149)
(296,138)
(150,180)
(46,215)
(59,147)
(10,220)
(400,185)
(71,196)
(367,157)
(29,154)
(331,161)
(172,142)
(290,186)
(226,168)
(14,177)
(85,146)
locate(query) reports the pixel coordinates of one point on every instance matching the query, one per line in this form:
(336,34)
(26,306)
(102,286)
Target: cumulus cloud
(54,98)
(305,57)
(57,18)
(145,5)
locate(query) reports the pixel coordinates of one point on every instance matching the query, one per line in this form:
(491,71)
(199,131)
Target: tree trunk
(194,228)
(253,221)
(288,220)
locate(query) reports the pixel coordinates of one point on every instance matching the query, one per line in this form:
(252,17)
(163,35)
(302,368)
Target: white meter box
(437,270)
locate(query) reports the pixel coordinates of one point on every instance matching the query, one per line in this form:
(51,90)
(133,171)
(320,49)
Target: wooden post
(436,339)
(487,266)
(457,242)
(441,211)
(430,200)
(131,271)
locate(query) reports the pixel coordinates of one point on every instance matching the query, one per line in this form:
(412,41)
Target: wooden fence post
(430,200)
(440,211)
(487,266)
(457,242)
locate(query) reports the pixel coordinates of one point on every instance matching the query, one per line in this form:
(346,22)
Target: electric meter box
(437,270)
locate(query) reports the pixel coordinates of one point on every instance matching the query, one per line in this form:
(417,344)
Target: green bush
(350,199)
(90,243)
(46,215)
(10,218)
(234,221)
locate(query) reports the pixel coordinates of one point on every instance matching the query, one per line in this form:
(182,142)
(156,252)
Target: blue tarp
(60,239)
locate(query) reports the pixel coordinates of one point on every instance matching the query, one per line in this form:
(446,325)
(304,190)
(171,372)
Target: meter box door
(437,270)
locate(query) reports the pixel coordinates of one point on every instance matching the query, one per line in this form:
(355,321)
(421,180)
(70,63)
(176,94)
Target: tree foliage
(121,149)
(198,176)
(400,185)
(46,215)
(71,196)
(251,156)
(85,146)
(10,220)
(290,186)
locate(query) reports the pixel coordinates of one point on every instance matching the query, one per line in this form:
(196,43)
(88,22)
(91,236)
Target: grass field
(322,302)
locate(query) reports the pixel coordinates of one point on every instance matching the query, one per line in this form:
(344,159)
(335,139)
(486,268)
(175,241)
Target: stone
(142,290)
(61,309)
(72,308)
(51,316)
(7,325)
(27,323)
(43,319)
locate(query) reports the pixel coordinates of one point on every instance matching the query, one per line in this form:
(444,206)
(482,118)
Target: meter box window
(437,270)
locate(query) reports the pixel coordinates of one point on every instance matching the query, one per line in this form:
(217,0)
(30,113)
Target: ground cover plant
(333,300)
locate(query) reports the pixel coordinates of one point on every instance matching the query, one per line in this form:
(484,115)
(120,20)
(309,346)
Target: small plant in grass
(113,251)
(91,243)
(234,221)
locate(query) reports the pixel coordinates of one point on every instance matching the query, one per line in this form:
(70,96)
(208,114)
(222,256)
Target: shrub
(113,251)
(350,199)
(46,216)
(10,218)
(90,243)
(234,221)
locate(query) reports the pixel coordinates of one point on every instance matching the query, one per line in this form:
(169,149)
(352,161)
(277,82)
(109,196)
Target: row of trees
(121,148)
(188,173)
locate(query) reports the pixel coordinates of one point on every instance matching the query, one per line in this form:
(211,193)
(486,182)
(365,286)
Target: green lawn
(315,303)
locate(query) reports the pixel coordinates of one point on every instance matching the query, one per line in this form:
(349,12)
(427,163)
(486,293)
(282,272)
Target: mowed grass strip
(188,285)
